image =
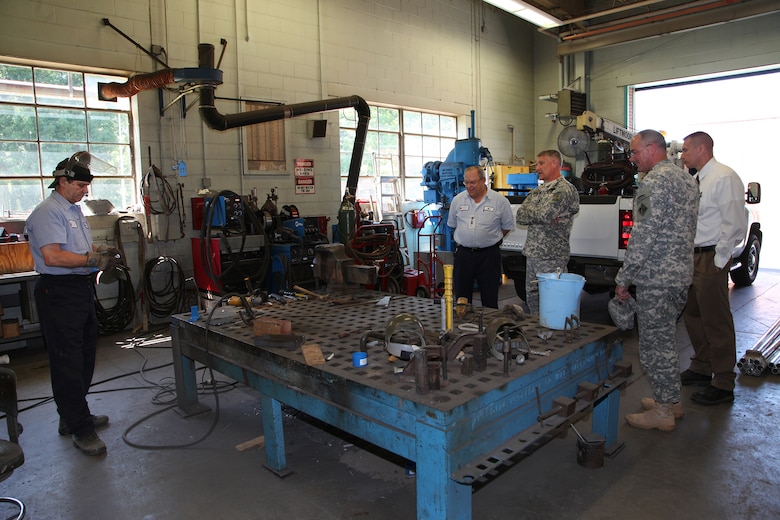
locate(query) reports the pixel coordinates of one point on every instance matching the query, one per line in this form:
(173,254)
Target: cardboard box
(15,257)
(11,328)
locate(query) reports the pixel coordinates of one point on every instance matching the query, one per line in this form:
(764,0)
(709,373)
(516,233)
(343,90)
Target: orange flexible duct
(136,84)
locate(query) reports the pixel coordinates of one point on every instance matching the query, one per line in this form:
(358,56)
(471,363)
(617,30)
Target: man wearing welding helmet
(64,255)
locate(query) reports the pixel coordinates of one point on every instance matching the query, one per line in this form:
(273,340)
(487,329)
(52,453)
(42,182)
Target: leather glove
(113,251)
(103,261)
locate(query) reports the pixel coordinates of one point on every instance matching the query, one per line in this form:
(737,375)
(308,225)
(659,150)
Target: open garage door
(741,113)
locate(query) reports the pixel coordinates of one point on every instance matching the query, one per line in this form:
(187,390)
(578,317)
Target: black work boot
(99,421)
(90,444)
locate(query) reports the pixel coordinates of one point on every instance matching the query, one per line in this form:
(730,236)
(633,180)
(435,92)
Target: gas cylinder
(347,217)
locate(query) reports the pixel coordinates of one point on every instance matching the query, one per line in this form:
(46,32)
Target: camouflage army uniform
(659,262)
(548,211)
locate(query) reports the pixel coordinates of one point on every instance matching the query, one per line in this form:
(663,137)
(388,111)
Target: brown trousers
(710,324)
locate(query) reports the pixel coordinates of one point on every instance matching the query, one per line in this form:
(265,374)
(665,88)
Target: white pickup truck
(599,237)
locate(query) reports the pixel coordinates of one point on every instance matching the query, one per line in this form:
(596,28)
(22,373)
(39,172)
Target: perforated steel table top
(337,329)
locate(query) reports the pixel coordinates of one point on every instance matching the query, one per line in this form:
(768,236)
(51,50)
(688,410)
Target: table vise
(338,271)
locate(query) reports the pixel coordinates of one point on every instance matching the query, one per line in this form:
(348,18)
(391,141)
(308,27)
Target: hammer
(310,293)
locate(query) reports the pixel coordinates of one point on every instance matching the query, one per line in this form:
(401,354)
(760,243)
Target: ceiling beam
(683,23)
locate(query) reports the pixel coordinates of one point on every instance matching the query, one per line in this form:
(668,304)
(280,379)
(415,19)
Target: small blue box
(219,215)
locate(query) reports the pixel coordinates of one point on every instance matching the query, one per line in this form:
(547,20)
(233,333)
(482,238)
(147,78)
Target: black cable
(207,253)
(115,318)
(167,295)
(139,231)
(215,420)
(163,389)
(119,244)
(168,200)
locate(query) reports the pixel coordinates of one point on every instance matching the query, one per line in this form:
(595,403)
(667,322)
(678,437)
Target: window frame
(261,131)
(81,101)
(370,180)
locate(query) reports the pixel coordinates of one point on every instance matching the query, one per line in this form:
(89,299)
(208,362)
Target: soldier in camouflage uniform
(659,262)
(548,211)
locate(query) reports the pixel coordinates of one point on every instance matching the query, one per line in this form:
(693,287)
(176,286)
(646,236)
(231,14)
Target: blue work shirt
(57,221)
(480,224)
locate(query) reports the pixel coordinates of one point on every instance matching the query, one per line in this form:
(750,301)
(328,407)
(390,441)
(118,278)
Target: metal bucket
(559,298)
(590,450)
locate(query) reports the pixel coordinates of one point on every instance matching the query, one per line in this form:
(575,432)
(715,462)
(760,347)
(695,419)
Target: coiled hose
(166,295)
(115,318)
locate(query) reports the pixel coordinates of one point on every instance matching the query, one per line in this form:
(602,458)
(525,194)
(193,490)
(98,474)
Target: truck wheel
(746,273)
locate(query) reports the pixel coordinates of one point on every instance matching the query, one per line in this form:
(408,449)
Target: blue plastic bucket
(559,298)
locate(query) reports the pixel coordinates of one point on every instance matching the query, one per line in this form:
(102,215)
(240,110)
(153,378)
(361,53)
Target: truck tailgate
(595,232)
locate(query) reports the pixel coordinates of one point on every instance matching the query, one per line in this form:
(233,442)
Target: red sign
(304,176)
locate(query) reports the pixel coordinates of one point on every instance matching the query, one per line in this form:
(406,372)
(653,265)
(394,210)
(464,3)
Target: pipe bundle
(773,360)
(764,355)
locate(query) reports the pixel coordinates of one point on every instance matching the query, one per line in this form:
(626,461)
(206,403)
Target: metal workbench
(471,428)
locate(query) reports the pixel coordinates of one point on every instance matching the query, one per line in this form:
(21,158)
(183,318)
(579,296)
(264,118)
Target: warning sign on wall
(304,176)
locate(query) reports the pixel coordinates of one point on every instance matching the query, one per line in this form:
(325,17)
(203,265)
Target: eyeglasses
(472,183)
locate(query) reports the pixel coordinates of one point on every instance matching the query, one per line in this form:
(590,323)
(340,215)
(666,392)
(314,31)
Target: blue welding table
(459,435)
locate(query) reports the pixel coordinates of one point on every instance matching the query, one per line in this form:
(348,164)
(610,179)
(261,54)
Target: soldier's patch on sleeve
(641,207)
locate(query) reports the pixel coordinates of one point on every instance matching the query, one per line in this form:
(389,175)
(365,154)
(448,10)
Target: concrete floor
(720,462)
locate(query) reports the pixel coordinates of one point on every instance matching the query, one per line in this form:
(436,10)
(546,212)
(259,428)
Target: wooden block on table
(265,325)
(312,354)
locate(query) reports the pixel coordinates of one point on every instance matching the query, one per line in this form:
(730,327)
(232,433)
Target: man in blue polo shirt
(481,218)
(64,255)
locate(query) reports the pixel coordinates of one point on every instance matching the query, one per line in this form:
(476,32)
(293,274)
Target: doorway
(741,113)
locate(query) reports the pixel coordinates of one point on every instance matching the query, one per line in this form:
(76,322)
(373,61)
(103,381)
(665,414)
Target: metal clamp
(570,326)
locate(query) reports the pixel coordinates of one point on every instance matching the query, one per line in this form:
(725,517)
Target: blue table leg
(186,386)
(438,496)
(605,421)
(273,429)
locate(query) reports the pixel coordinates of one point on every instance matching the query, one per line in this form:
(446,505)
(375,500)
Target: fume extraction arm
(205,79)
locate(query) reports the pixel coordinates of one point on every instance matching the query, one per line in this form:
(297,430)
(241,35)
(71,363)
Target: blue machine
(522,183)
(297,225)
(444,180)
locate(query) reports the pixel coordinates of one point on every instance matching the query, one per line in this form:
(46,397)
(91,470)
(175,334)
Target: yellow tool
(312,294)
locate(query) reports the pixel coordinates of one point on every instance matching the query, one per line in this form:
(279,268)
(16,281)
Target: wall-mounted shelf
(26,307)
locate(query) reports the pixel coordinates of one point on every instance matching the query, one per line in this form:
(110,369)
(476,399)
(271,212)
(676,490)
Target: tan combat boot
(677,408)
(660,417)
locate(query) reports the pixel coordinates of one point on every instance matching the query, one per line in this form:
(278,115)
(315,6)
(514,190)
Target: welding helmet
(403,335)
(622,313)
(79,167)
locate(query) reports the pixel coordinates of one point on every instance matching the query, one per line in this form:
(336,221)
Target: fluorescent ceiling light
(527,12)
